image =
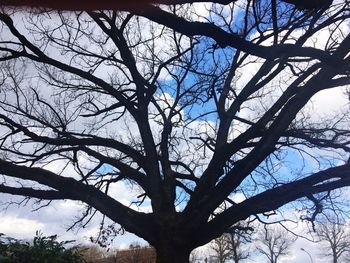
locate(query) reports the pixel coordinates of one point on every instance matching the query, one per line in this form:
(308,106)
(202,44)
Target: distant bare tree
(335,239)
(221,248)
(229,246)
(237,240)
(274,243)
(92,254)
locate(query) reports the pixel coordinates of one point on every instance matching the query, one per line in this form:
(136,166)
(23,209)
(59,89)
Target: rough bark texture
(170,254)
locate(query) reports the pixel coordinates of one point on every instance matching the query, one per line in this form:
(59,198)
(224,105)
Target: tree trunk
(172,254)
(334,251)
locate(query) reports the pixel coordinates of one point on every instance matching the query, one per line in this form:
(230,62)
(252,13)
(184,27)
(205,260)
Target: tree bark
(172,254)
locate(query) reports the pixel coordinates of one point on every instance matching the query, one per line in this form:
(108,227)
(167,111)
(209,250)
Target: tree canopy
(203,109)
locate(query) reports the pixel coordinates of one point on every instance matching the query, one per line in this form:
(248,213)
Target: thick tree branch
(141,114)
(274,198)
(225,39)
(78,191)
(67,138)
(127,171)
(324,142)
(30,192)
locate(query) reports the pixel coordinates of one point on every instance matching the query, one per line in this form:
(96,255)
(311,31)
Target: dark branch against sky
(123,98)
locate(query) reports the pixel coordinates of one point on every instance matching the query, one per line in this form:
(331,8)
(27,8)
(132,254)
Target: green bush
(42,250)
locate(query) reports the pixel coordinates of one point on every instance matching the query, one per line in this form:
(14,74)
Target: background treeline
(269,243)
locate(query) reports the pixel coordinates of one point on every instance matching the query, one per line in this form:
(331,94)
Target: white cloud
(22,223)
(238,198)
(54,218)
(19,227)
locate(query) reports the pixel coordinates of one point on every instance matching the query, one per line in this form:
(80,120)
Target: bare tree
(92,253)
(221,248)
(190,109)
(274,243)
(335,238)
(229,246)
(238,240)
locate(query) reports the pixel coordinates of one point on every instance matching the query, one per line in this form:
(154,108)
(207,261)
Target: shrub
(43,249)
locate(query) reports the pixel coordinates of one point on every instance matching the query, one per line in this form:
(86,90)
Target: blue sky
(22,222)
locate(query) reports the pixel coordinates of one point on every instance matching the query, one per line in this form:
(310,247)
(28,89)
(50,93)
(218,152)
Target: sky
(22,221)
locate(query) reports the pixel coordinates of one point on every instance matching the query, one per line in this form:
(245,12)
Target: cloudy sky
(22,221)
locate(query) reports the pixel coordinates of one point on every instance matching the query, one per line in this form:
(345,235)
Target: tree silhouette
(335,238)
(238,240)
(230,246)
(221,248)
(274,243)
(191,105)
